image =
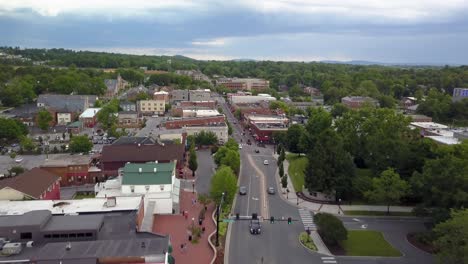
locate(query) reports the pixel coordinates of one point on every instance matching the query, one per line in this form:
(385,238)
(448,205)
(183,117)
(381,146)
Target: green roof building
(148,173)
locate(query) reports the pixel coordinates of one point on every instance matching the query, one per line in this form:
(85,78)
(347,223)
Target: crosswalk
(328,260)
(307,220)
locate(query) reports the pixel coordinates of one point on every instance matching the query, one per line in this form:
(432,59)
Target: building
(113,86)
(156,181)
(459,94)
(26,114)
(70,103)
(132,93)
(407,102)
(39,237)
(355,102)
(200,95)
(134,141)
(179,95)
(162,96)
(128,119)
(73,170)
(461,134)
(219,129)
(114,157)
(247,84)
(249,99)
(429,128)
(151,107)
(194,74)
(89,117)
(35,184)
(199,113)
(128,106)
(198,104)
(305,105)
(312,91)
(75,127)
(262,127)
(201,121)
(419,118)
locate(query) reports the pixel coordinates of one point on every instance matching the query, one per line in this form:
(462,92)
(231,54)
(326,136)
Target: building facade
(459,94)
(179,95)
(199,95)
(151,107)
(355,102)
(35,184)
(128,106)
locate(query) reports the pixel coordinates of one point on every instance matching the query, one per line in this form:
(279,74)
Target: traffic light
(289,220)
(272,219)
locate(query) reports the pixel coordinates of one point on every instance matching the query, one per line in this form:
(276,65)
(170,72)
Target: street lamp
(218,212)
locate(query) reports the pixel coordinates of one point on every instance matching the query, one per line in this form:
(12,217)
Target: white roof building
(90,113)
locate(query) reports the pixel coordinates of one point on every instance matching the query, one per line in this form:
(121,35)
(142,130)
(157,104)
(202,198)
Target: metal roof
(148,173)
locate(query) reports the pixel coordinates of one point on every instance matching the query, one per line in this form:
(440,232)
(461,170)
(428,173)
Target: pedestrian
(182,248)
(186,215)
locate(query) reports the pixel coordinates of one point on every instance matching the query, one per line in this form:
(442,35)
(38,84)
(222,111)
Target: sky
(390,31)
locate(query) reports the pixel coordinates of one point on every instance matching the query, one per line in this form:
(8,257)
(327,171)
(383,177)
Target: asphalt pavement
(205,171)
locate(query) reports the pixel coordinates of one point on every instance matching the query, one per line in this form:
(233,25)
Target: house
(459,94)
(114,157)
(151,107)
(179,95)
(75,127)
(89,117)
(156,181)
(26,114)
(128,119)
(407,102)
(84,239)
(312,91)
(198,104)
(262,127)
(355,102)
(35,184)
(128,106)
(199,95)
(161,95)
(219,129)
(132,93)
(65,108)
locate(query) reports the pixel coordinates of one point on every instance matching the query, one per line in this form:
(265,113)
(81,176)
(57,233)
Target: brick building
(200,121)
(72,169)
(35,184)
(355,102)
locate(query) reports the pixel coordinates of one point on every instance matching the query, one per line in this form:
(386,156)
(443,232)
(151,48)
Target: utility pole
(218,212)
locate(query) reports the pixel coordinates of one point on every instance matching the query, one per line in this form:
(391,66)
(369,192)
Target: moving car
(18,159)
(240,146)
(255,227)
(271,190)
(257,151)
(265,162)
(242,190)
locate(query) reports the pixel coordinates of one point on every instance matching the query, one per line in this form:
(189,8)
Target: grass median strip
(297,166)
(307,241)
(368,243)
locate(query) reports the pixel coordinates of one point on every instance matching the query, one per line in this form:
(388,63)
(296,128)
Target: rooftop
(72,103)
(358,98)
(33,183)
(90,112)
(66,159)
(429,125)
(142,153)
(133,141)
(148,173)
(445,140)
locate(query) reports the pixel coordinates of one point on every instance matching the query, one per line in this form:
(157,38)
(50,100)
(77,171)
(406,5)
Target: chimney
(156,161)
(139,145)
(139,170)
(155,170)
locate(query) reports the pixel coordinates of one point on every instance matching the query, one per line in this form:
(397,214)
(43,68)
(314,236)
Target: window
(72,235)
(81,235)
(47,236)
(55,236)
(89,234)
(63,235)
(27,235)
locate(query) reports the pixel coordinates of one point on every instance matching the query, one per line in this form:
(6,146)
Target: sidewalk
(177,227)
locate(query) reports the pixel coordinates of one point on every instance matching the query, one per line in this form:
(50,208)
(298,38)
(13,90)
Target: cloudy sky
(395,31)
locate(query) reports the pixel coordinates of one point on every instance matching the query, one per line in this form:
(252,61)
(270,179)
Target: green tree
(232,160)
(193,164)
(225,181)
(338,110)
(452,238)
(330,228)
(284,181)
(387,189)
(80,144)
(330,168)
(27,144)
(206,138)
(293,136)
(12,129)
(232,144)
(106,116)
(281,170)
(16,170)
(43,119)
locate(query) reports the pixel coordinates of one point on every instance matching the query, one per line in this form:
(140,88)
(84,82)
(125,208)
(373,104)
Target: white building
(250,99)
(156,182)
(199,113)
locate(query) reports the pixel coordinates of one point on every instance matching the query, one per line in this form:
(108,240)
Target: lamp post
(218,212)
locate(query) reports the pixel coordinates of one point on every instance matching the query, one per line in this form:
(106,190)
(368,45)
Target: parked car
(271,190)
(240,146)
(18,159)
(242,190)
(265,162)
(257,151)
(255,227)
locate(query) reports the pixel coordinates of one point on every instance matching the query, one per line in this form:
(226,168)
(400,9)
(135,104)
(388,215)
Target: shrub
(330,228)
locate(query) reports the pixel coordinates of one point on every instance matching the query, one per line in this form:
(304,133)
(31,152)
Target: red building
(196,104)
(35,184)
(355,102)
(89,117)
(114,157)
(196,121)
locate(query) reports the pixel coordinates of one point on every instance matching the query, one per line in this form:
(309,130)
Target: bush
(214,149)
(330,228)
(13,155)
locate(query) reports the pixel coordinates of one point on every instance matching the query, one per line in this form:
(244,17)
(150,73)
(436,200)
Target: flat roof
(32,218)
(66,159)
(445,140)
(427,125)
(59,207)
(74,222)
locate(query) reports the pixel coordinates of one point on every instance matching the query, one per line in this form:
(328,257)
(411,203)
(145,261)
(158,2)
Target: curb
(210,236)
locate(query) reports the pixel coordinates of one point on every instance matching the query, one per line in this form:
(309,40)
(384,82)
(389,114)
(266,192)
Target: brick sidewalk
(177,227)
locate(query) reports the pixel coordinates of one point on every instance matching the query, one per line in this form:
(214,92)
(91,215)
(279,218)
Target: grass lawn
(296,169)
(80,196)
(378,213)
(368,243)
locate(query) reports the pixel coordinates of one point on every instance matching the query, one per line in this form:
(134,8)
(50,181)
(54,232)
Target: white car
(240,146)
(265,162)
(18,159)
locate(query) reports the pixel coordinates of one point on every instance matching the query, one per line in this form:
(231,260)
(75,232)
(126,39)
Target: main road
(278,242)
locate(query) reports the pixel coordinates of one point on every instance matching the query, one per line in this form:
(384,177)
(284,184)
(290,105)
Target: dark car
(257,151)
(255,227)
(242,190)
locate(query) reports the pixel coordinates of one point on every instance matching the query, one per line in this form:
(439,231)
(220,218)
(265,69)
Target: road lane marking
(324,258)
(264,201)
